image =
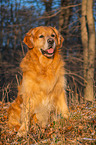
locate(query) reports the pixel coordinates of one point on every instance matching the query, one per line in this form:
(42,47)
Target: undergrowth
(79,129)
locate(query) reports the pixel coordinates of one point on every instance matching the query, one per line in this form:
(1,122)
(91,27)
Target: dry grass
(79,129)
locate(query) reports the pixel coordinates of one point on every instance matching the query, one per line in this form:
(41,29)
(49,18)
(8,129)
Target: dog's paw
(66,114)
(22,131)
(21,134)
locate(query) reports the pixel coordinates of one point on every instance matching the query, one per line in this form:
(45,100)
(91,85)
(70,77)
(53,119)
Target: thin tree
(64,19)
(64,16)
(88,41)
(48,9)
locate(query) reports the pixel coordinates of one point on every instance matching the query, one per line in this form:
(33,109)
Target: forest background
(76,21)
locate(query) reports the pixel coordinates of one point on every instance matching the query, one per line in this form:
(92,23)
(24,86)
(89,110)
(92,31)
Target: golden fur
(43,83)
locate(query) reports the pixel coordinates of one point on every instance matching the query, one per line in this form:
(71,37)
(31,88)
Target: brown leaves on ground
(79,129)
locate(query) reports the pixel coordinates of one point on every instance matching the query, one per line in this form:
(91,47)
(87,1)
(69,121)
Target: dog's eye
(41,36)
(52,35)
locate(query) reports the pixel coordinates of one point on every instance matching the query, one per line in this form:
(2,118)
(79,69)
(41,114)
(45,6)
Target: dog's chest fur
(41,78)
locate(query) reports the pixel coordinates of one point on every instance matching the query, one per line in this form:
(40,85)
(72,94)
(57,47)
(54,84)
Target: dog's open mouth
(49,52)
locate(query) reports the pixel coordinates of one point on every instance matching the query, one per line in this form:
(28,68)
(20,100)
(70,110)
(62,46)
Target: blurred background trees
(76,21)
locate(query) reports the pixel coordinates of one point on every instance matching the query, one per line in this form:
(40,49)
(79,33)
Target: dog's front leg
(25,118)
(62,105)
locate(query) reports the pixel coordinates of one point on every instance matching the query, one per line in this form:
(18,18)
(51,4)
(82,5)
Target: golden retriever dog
(42,89)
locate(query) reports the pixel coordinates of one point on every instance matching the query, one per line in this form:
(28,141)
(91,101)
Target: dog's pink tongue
(51,50)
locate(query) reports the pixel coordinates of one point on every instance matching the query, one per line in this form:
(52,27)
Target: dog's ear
(60,39)
(28,39)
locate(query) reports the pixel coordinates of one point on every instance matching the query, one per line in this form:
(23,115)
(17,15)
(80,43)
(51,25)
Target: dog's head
(45,39)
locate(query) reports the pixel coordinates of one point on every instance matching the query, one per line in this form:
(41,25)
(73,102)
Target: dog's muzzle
(51,50)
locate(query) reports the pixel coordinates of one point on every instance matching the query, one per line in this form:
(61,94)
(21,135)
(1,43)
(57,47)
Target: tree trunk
(1,26)
(64,16)
(84,36)
(88,41)
(89,91)
(63,22)
(48,8)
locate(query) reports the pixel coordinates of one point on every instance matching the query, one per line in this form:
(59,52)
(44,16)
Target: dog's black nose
(50,41)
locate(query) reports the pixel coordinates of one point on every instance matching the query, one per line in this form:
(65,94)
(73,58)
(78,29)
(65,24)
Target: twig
(62,8)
